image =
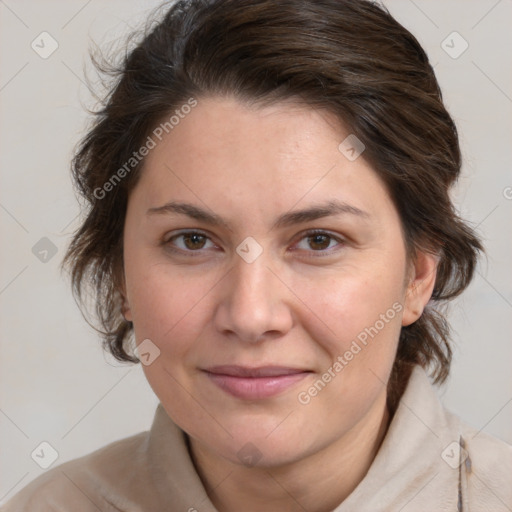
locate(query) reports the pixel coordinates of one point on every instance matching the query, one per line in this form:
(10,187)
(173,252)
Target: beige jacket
(428,461)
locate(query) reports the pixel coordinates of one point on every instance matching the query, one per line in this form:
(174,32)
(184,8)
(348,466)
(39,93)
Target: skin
(300,304)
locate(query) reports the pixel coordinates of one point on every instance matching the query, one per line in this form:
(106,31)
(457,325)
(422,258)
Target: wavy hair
(350,57)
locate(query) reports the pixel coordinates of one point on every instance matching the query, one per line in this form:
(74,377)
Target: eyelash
(307,234)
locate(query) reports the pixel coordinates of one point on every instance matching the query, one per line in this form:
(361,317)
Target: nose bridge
(252,280)
(253,302)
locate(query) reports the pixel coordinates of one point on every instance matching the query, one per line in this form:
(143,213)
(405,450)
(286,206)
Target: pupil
(322,240)
(195,239)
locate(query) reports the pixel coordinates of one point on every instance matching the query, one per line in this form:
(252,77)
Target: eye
(189,241)
(195,241)
(318,241)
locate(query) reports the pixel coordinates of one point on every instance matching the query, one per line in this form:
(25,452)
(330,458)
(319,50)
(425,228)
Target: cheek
(358,328)
(169,311)
(168,308)
(160,308)
(350,304)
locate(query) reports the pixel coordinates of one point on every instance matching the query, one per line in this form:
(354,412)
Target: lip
(255,383)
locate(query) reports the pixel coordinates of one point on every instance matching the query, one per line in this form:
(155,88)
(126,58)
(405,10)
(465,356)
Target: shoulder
(485,468)
(469,463)
(101,480)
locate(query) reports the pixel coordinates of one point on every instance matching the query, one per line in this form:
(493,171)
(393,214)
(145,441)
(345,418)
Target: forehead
(256,159)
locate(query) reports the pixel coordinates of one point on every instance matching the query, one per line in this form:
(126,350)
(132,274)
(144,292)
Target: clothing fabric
(429,461)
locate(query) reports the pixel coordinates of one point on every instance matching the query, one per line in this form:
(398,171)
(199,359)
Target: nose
(254,303)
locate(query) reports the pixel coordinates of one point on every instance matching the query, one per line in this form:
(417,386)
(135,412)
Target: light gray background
(56,384)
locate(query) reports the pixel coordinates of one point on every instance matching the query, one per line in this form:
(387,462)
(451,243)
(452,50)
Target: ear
(420,285)
(126,311)
(125,304)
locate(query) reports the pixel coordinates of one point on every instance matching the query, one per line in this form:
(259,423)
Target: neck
(318,482)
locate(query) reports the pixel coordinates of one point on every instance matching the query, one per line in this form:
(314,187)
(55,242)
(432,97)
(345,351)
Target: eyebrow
(314,212)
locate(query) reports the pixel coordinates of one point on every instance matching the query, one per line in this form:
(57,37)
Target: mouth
(255,383)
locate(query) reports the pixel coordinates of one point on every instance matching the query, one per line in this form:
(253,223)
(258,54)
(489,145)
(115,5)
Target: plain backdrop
(56,383)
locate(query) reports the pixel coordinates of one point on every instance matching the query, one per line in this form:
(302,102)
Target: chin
(260,444)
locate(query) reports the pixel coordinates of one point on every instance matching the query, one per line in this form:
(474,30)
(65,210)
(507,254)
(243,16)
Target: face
(265,326)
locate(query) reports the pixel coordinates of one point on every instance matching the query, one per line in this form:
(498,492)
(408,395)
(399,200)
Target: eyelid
(166,241)
(318,231)
(301,236)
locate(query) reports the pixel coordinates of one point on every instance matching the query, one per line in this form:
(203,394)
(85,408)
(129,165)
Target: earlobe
(421,285)
(126,311)
(125,305)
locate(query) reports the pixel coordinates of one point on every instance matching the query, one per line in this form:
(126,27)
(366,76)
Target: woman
(269,221)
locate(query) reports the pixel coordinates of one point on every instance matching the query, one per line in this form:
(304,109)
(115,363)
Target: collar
(418,465)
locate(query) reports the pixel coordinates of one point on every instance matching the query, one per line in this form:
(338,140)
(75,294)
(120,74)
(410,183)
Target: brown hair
(350,57)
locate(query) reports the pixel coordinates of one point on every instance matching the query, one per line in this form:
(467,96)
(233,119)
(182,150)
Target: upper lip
(246,371)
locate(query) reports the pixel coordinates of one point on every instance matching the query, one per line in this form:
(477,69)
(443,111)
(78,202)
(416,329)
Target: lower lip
(255,388)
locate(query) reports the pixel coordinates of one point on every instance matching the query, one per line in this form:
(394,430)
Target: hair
(349,57)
